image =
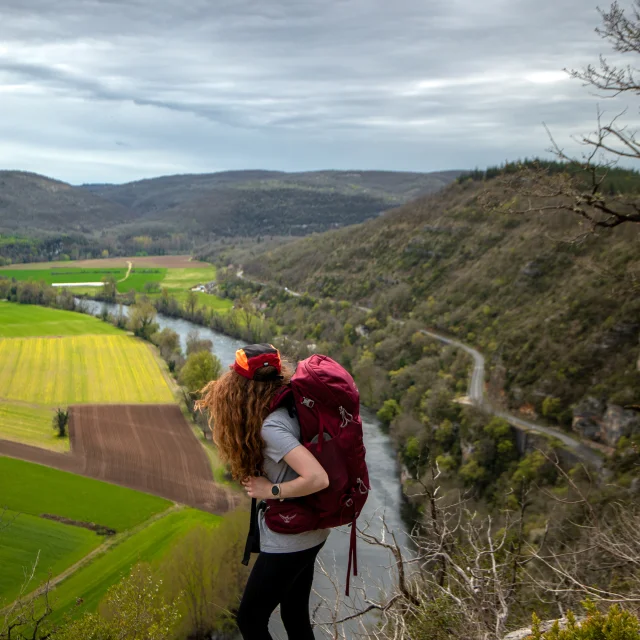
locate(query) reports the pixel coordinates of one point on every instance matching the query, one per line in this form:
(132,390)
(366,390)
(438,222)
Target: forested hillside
(30,203)
(556,311)
(43,219)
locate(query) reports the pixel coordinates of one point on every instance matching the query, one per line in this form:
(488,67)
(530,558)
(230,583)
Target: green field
(177,281)
(138,278)
(91,582)
(17,320)
(31,425)
(56,547)
(34,489)
(182,279)
(172,279)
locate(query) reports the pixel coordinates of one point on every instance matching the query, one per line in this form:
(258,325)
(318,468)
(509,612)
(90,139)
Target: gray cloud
(99,90)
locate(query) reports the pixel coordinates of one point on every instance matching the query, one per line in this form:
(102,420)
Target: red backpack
(326,400)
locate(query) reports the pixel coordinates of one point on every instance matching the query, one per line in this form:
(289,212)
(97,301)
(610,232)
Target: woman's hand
(258,487)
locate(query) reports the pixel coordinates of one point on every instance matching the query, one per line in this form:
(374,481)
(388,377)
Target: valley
(424,304)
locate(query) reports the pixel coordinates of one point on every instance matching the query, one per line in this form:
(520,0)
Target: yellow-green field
(46,362)
(80,369)
(29,424)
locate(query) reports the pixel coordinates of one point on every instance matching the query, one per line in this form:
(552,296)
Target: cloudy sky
(116,90)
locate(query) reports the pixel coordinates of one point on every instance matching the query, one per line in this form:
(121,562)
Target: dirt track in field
(169,262)
(150,448)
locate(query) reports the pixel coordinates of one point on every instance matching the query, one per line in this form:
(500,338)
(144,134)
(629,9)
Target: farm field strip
(80,369)
(56,546)
(35,489)
(183,279)
(147,447)
(92,581)
(17,320)
(139,277)
(32,425)
(62,274)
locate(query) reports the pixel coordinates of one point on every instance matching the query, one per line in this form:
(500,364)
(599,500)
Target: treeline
(617,180)
(16,249)
(20,249)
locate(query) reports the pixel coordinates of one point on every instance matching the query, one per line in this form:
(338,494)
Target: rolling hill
(174,213)
(168,192)
(556,318)
(32,203)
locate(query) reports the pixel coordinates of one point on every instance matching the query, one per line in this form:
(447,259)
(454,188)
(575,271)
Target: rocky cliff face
(606,423)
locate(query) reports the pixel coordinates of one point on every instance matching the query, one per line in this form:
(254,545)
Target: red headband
(254,357)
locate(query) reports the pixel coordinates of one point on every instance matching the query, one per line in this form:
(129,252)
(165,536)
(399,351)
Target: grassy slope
(91,582)
(29,320)
(560,318)
(35,489)
(204,300)
(56,546)
(181,279)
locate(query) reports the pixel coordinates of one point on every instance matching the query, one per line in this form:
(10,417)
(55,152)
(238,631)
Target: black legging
(279,579)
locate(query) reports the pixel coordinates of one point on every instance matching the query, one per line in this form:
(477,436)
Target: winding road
(477,397)
(476,391)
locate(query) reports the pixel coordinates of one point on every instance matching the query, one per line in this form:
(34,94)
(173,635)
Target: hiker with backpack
(294,441)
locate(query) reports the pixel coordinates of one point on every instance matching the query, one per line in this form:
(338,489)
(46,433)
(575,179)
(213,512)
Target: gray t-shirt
(281,434)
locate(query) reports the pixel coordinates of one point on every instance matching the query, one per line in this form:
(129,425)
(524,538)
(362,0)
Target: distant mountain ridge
(385,188)
(30,202)
(229,203)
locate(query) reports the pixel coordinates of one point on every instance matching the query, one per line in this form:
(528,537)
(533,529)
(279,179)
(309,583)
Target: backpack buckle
(346,417)
(308,402)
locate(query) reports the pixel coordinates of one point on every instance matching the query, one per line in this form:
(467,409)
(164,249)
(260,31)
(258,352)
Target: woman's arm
(312,478)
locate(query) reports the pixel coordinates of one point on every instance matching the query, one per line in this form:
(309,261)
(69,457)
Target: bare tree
(480,577)
(27,618)
(601,562)
(463,578)
(582,189)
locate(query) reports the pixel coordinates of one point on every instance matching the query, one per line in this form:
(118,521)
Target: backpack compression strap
(353,556)
(253,537)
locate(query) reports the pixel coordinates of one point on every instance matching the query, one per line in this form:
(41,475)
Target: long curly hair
(237,408)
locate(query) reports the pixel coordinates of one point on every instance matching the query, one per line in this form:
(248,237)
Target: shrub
(615,624)
(60,422)
(200,368)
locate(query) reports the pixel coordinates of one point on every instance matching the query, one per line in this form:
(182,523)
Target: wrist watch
(276,492)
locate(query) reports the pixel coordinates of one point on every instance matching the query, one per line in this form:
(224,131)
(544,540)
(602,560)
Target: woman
(263,450)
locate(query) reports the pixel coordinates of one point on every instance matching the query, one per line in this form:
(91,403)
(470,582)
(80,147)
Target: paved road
(477,396)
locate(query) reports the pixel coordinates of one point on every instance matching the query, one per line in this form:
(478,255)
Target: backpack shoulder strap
(284,398)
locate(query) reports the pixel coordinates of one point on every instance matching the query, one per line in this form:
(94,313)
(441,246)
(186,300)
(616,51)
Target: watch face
(275,490)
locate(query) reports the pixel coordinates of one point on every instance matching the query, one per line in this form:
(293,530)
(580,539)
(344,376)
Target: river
(385,498)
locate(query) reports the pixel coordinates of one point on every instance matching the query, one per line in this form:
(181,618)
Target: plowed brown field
(145,447)
(150,448)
